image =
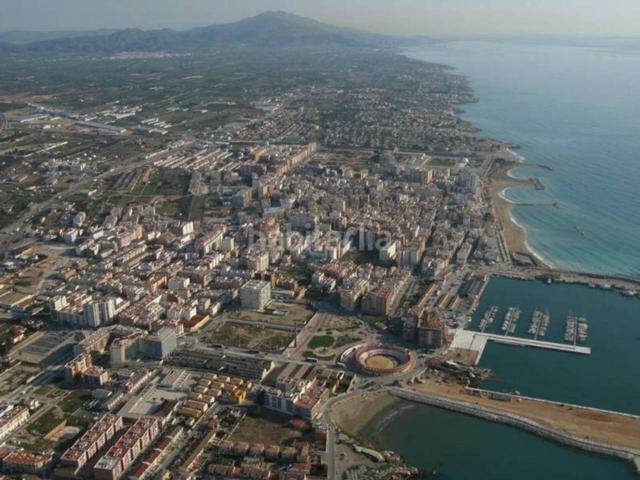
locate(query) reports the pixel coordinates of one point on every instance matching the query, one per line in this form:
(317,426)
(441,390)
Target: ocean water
(605,379)
(461,447)
(453,446)
(576,109)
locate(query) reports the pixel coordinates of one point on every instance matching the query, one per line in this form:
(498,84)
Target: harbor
(447,434)
(488,318)
(576,330)
(539,324)
(590,366)
(511,320)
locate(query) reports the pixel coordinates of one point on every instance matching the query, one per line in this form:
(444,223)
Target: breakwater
(519,422)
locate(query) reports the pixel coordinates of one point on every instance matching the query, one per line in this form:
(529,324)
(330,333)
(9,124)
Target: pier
(477,341)
(528,342)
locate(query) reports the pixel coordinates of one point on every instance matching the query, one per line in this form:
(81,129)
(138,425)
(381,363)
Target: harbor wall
(550,402)
(519,422)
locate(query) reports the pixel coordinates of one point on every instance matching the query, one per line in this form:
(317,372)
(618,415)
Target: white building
(255,294)
(99,313)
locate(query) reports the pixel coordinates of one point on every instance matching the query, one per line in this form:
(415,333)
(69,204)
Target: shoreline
(585,437)
(530,250)
(542,429)
(358,422)
(515,235)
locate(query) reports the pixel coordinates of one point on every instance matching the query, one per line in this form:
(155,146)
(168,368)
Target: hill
(24,37)
(267,30)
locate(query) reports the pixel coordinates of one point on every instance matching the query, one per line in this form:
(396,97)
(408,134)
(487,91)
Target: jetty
(573,425)
(477,341)
(488,318)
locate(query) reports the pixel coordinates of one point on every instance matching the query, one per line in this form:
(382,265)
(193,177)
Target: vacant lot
(250,336)
(47,422)
(281,314)
(75,400)
(266,427)
(15,376)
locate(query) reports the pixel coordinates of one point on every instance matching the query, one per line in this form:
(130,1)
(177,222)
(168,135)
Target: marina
(477,342)
(488,318)
(576,330)
(475,339)
(601,379)
(539,324)
(511,320)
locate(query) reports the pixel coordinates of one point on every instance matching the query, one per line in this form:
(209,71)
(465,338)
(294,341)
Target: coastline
(358,422)
(587,429)
(514,234)
(542,261)
(499,179)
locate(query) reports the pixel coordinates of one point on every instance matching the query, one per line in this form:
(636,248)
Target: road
(330,448)
(234,352)
(306,333)
(258,323)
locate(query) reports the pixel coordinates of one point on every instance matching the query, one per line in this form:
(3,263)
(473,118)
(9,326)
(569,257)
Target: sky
(430,17)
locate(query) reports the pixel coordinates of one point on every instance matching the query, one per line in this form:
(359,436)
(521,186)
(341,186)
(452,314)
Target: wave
(387,419)
(531,250)
(519,157)
(503,196)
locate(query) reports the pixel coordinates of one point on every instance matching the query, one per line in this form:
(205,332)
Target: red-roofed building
(91,441)
(127,449)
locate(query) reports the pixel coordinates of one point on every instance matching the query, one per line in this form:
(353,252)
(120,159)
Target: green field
(47,422)
(75,400)
(321,341)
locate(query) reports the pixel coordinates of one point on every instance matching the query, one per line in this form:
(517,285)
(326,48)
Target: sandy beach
(514,235)
(357,414)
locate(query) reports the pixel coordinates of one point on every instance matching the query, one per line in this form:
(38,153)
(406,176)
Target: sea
(571,105)
(601,379)
(451,446)
(456,446)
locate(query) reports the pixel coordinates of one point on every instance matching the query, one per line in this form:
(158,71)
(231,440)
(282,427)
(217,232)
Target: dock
(477,341)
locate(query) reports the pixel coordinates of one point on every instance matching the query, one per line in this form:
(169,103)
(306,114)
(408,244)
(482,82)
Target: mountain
(280,28)
(7,48)
(267,30)
(23,37)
